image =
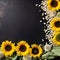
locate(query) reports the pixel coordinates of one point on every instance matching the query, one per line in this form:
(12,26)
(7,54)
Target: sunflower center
(22,48)
(58,37)
(57,24)
(35,51)
(8,48)
(54,3)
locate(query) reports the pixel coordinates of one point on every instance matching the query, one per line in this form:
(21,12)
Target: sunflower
(55,24)
(8,48)
(22,48)
(36,51)
(53,4)
(56,38)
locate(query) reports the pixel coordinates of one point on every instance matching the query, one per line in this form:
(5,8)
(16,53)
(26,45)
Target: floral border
(24,51)
(11,51)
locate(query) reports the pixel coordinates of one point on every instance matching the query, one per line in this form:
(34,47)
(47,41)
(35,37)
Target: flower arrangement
(23,51)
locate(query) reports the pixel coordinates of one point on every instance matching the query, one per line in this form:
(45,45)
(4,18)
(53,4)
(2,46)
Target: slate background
(22,22)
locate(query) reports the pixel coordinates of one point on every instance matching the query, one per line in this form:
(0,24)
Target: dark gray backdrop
(22,22)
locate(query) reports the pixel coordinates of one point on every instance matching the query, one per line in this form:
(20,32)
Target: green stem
(21,58)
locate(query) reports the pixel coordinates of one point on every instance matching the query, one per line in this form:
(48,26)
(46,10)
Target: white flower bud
(47,47)
(28,57)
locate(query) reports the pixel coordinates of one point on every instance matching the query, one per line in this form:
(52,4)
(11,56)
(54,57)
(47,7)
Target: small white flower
(28,57)
(47,47)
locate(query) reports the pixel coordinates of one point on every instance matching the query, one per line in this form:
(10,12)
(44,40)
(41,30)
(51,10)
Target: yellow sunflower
(8,48)
(36,51)
(53,5)
(22,48)
(56,38)
(55,24)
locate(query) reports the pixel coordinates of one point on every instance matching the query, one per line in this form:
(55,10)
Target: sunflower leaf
(51,57)
(14,58)
(48,55)
(56,50)
(58,14)
(7,59)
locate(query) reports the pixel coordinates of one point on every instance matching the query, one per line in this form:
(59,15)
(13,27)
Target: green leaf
(48,55)
(7,59)
(58,14)
(51,57)
(56,50)
(15,57)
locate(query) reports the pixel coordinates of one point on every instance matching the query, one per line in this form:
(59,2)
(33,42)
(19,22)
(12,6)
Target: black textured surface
(22,22)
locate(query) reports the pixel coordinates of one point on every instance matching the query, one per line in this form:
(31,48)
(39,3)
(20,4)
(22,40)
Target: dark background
(22,22)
